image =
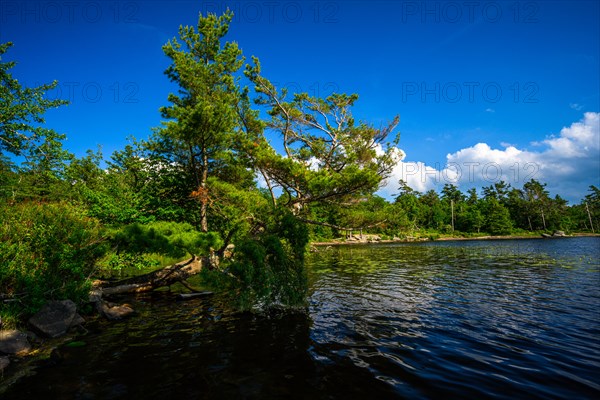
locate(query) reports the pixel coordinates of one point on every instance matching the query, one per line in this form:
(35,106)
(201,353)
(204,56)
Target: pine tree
(22,133)
(202,123)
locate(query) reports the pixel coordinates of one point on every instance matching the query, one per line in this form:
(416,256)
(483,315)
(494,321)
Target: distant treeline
(498,209)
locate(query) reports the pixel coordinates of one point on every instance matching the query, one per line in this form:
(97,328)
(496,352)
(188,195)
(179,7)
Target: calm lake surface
(451,320)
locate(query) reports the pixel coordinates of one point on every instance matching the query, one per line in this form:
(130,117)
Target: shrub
(175,239)
(47,251)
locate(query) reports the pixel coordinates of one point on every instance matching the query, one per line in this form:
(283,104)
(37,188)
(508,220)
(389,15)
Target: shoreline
(449,239)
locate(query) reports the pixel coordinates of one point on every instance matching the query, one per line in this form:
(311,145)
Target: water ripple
(488,319)
(476,320)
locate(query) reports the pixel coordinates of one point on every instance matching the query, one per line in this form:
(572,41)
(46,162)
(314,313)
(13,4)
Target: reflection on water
(498,319)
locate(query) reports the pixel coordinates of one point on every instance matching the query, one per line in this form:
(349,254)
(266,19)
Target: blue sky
(485,90)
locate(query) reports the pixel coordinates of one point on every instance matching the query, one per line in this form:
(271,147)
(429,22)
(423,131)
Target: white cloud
(584,132)
(568,163)
(314,163)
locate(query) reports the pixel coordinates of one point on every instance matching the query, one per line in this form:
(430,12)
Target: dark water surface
(448,320)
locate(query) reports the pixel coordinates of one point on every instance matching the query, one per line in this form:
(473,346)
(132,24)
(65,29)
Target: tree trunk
(270,187)
(543,219)
(204,199)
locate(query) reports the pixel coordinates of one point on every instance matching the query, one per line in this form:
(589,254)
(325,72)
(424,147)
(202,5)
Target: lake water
(452,320)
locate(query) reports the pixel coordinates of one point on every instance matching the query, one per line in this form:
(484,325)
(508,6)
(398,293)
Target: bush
(175,239)
(47,251)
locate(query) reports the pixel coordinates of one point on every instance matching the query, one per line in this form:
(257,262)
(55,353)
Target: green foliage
(233,209)
(11,315)
(22,134)
(9,179)
(435,214)
(201,133)
(451,193)
(328,155)
(498,191)
(267,270)
(47,251)
(591,204)
(174,239)
(127,261)
(497,218)
(326,213)
(21,113)
(124,193)
(586,215)
(471,219)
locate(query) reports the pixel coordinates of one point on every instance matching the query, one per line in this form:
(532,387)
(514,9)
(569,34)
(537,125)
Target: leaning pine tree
(214,133)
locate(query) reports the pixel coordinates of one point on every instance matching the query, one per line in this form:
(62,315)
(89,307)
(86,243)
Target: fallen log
(163,277)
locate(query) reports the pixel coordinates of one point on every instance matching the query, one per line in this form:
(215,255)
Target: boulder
(14,342)
(559,233)
(55,318)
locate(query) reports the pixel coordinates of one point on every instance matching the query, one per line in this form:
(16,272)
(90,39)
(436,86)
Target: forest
(191,188)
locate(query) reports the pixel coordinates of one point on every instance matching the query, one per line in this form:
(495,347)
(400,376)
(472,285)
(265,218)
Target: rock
(559,233)
(118,312)
(372,238)
(4,362)
(77,321)
(114,311)
(55,318)
(95,295)
(14,342)
(33,338)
